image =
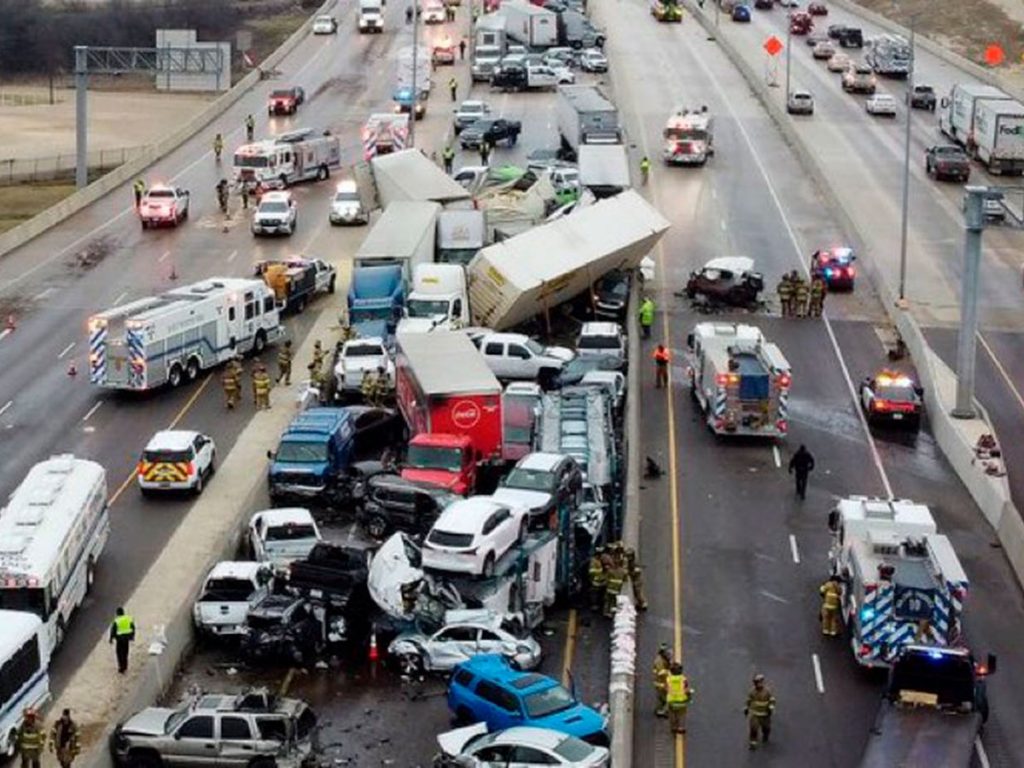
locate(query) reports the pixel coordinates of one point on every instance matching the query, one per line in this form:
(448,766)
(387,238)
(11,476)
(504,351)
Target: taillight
(191,468)
(140,469)
(865,650)
(725,379)
(784,380)
(879,405)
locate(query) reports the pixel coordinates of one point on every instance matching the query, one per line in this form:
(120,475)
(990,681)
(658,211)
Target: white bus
(24,683)
(52,533)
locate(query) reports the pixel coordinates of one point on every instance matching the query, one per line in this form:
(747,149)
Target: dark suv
(395,504)
(281,628)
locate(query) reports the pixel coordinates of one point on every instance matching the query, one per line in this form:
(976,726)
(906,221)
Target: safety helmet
(663,648)
(30,714)
(758,678)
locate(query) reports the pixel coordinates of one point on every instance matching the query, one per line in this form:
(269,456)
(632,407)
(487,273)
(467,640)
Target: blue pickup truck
(375,300)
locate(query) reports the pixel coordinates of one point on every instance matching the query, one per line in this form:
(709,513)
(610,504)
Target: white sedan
(881,104)
(593,60)
(472,534)
(840,62)
(325,25)
(522,747)
(565,75)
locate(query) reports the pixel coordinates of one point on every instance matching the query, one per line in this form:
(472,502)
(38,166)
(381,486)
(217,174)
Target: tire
(90,574)
(488,570)
(175,376)
(192,369)
(260,342)
(331,286)
(284,181)
(144,759)
(144,224)
(322,173)
(300,307)
(377,526)
(462,716)
(60,631)
(411,664)
(198,489)
(12,742)
(262,762)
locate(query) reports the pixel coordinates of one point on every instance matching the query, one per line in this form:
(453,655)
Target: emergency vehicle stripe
(720,399)
(97,355)
(136,357)
(165,472)
(783,403)
(370,143)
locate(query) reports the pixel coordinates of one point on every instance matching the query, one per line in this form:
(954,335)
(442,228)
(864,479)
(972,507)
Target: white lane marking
(120,297)
(721,224)
(164,256)
(231,256)
(1002,371)
(5,333)
(818,681)
(805,269)
(714,194)
(979,749)
(66,349)
(6,407)
(43,294)
(92,411)
(773,596)
(775,455)
(794,549)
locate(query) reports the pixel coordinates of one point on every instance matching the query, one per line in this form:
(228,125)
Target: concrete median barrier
(37,225)
(956,437)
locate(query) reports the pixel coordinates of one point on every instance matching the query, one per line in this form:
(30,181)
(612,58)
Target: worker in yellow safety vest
(122,634)
(677,695)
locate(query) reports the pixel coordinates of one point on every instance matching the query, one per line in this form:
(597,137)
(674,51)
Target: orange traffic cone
(374,655)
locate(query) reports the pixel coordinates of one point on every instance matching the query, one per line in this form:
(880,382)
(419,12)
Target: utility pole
(966,348)
(906,170)
(415,66)
(81,117)
(789,53)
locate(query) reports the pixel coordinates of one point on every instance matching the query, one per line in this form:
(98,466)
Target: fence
(15,170)
(26,98)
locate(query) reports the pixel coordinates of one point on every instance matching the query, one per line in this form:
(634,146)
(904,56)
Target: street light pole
(415,66)
(906,171)
(789,53)
(967,341)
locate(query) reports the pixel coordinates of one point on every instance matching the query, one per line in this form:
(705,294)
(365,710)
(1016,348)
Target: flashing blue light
(828,271)
(867,614)
(935,654)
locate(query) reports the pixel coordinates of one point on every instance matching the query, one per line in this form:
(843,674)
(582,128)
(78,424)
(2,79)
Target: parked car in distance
(946,161)
(817,9)
(764,5)
(176,460)
(469,112)
(813,40)
(741,13)
(593,60)
(840,62)
(492,130)
(823,50)
(472,534)
(522,747)
(325,25)
(881,104)
(922,97)
(392,503)
(465,634)
(800,103)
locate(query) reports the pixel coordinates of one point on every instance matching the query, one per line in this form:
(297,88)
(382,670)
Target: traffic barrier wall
(991,494)
(23,233)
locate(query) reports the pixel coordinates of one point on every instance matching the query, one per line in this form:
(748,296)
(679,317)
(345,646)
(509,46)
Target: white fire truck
(901,581)
(385,133)
(689,138)
(739,379)
(289,158)
(171,338)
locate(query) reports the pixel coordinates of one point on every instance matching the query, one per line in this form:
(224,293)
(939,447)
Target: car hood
(293,468)
(579,720)
(453,742)
(148,722)
(520,497)
(560,353)
(437,477)
(389,570)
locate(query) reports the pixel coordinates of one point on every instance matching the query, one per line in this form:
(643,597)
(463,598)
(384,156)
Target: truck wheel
(175,376)
(330,286)
(144,759)
(260,342)
(192,369)
(488,569)
(410,664)
(323,173)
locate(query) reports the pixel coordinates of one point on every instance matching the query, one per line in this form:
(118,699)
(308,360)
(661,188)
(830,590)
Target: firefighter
(677,695)
(662,357)
(596,578)
(64,739)
(244,192)
(615,577)
(218,146)
(636,577)
(453,87)
(122,634)
(660,669)
(139,188)
(817,295)
(408,14)
(229,380)
(284,363)
(785,291)
(462,49)
(222,195)
(830,601)
(250,126)
(801,464)
(646,316)
(448,157)
(318,354)
(759,709)
(485,151)
(800,294)
(372,387)
(261,387)
(30,740)
(235,364)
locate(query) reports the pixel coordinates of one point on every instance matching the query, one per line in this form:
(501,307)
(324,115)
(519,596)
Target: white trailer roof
(152,307)
(18,626)
(409,175)
(446,362)
(861,514)
(399,231)
(518,278)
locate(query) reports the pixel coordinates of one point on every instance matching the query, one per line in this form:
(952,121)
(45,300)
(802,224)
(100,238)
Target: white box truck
(403,235)
(999,134)
(460,235)
(439,299)
(956,116)
(604,169)
(530,25)
(371,16)
(586,116)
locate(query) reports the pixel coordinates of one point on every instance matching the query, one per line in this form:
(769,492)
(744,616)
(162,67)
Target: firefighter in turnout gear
(374,387)
(284,363)
(250,127)
(678,694)
(785,291)
(222,195)
(229,380)
(659,670)
(318,354)
(636,577)
(615,578)
(597,578)
(831,596)
(64,739)
(817,296)
(759,709)
(30,740)
(261,387)
(801,292)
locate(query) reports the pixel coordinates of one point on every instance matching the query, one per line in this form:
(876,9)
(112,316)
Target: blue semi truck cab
(315,451)
(375,300)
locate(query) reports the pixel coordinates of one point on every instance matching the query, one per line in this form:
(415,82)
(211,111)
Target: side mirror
(833,520)
(689,340)
(270,455)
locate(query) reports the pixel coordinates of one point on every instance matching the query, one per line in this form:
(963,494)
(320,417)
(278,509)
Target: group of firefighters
(609,568)
(231,378)
(31,740)
(800,298)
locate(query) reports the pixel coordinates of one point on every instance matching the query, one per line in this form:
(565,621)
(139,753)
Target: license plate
(897,416)
(165,485)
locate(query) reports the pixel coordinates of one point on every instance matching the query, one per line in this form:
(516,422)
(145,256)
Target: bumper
(296,490)
(272,229)
(678,159)
(347,218)
(281,109)
(179,485)
(221,630)
(452,562)
(908,420)
(165,220)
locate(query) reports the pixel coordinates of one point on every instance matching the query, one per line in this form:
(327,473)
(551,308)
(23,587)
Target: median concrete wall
(956,437)
(23,233)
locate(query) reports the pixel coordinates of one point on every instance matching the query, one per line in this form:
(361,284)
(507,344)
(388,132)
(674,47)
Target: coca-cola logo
(465,414)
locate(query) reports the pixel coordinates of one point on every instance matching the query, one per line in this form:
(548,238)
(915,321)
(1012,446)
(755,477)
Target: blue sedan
(741,13)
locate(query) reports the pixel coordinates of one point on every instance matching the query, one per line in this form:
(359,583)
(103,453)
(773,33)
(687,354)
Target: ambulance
(689,137)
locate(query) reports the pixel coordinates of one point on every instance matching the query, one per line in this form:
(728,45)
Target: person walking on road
(662,357)
(229,381)
(831,597)
(785,291)
(284,363)
(678,694)
(139,189)
(646,316)
(485,151)
(636,577)
(453,87)
(261,387)
(64,739)
(30,740)
(801,465)
(448,157)
(250,127)
(243,190)
(819,288)
(218,146)
(759,710)
(462,49)
(596,578)
(660,670)
(645,170)
(122,634)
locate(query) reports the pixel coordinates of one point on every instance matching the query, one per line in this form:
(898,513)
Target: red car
(817,9)
(800,23)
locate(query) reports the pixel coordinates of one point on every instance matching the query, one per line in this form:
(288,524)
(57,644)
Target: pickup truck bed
(920,738)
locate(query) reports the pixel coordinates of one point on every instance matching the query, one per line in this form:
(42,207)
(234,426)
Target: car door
(452,646)
(495,756)
(194,743)
(256,537)
(489,641)
(500,531)
(495,355)
(530,757)
(520,362)
(236,744)
(203,447)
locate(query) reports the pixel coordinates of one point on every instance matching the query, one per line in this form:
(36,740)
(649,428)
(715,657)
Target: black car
(491,130)
(851,37)
(392,503)
(611,295)
(329,574)
(281,629)
(893,398)
(509,77)
(720,283)
(946,161)
(377,430)
(764,5)
(922,97)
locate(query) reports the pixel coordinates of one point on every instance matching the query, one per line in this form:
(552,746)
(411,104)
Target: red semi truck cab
(452,403)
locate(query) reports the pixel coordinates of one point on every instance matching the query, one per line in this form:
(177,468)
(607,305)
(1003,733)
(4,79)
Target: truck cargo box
(409,175)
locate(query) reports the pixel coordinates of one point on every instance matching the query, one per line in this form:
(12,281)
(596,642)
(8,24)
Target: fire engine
(289,158)
(901,581)
(385,133)
(688,138)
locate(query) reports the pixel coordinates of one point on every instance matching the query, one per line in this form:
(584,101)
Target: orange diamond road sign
(994,55)
(773,45)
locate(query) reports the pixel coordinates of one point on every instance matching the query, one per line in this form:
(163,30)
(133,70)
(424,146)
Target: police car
(836,266)
(892,397)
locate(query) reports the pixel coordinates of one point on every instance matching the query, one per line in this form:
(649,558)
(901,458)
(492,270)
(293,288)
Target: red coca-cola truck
(452,404)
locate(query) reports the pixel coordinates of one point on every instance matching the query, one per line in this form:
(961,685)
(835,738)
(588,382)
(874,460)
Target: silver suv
(254,729)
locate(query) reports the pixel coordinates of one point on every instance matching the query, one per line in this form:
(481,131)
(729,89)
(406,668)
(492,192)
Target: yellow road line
(174,422)
(570,648)
(286,683)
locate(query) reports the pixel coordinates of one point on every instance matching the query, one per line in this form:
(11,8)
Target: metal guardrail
(16,170)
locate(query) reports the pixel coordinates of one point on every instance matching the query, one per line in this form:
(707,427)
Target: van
(315,450)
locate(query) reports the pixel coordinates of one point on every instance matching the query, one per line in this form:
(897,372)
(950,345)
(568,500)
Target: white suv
(472,534)
(277,214)
(176,460)
(517,356)
(603,340)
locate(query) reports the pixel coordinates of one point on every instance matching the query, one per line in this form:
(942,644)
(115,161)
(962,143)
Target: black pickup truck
(944,161)
(492,131)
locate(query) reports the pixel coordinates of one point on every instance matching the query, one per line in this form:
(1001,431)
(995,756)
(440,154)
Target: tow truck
(163,204)
(894,397)
(667,10)
(835,265)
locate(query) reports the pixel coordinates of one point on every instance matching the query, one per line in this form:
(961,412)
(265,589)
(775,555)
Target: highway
(746,556)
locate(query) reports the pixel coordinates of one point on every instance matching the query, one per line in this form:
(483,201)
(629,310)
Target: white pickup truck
(355,359)
(230,588)
(517,356)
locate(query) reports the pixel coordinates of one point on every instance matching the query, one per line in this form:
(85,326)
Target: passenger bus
(24,683)
(52,533)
